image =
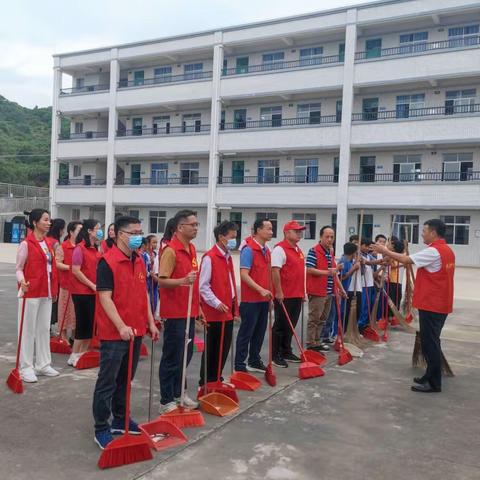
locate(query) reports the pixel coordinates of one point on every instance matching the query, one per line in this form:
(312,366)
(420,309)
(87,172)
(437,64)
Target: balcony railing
(166,79)
(280,122)
(403,113)
(85,89)
(273,66)
(82,136)
(416,177)
(416,48)
(83,182)
(274,179)
(186,129)
(162,181)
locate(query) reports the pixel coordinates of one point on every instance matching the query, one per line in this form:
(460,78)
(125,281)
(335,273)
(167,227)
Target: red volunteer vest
(220,285)
(259,273)
(64,276)
(174,303)
(318,285)
(434,291)
(89,268)
(35,270)
(292,274)
(104,247)
(129,295)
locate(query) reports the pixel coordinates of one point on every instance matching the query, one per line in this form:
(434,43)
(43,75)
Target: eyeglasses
(194,225)
(132,233)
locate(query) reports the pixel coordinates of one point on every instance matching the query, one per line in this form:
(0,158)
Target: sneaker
(102,438)
(118,426)
(241,368)
(328,340)
(323,347)
(280,362)
(291,357)
(28,375)
(256,367)
(188,402)
(73,359)
(48,371)
(167,407)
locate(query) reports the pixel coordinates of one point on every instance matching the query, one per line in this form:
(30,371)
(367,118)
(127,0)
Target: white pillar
(112,131)
(346,125)
(213,160)
(56,123)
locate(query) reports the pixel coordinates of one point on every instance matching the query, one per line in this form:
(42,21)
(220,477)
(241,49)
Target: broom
(128,448)
(418,359)
(59,344)
(14,380)
(401,319)
(270,376)
(369,332)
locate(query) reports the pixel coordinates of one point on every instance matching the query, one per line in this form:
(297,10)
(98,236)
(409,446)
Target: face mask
(134,242)
(99,234)
(231,244)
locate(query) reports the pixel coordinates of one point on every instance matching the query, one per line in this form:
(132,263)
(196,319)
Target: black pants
(349,303)
(85,315)
(431,325)
(214,335)
(395,293)
(110,389)
(281,331)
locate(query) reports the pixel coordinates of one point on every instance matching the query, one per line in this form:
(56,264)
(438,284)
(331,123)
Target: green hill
(24,131)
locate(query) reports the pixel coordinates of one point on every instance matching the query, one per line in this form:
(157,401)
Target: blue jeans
(367,292)
(109,397)
(170,370)
(251,332)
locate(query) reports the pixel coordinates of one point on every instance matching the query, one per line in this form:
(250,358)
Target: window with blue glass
(273,60)
(466,35)
(306,170)
(311,56)
(268,171)
(193,71)
(410,105)
(413,42)
(162,74)
(159,173)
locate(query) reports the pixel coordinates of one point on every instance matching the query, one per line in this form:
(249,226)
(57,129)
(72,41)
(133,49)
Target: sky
(32,31)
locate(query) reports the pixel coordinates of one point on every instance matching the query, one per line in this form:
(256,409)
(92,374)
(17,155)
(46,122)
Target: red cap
(293,225)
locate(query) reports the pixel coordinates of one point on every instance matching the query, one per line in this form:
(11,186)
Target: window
(460,101)
(157,220)
(79,83)
(458,229)
(137,126)
(189,173)
(75,214)
(413,42)
(268,171)
(373,48)
(369,109)
(271,116)
(367,227)
(193,71)
(407,168)
(159,174)
(336,169)
(77,170)
(161,125)
(341,52)
(406,227)
(225,66)
(271,61)
(272,216)
(333,222)
(308,220)
(409,105)
(311,56)
(78,128)
(241,65)
(240,118)
(310,113)
(220,172)
(306,170)
(463,36)
(138,78)
(162,74)
(338,111)
(457,166)
(367,169)
(134,213)
(192,122)
(219,217)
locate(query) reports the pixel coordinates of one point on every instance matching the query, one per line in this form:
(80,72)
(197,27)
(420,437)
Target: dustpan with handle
(58,344)
(344,356)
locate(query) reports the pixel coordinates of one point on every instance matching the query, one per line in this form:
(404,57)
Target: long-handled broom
(14,380)
(344,356)
(307,368)
(369,332)
(270,376)
(418,359)
(58,344)
(128,448)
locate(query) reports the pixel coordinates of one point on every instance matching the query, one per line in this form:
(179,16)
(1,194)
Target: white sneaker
(187,402)
(28,375)
(73,359)
(168,407)
(48,371)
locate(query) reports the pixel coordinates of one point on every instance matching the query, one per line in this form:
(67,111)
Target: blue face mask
(134,242)
(231,244)
(99,234)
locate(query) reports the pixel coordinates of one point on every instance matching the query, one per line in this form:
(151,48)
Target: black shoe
(328,340)
(425,388)
(279,362)
(420,380)
(256,367)
(291,357)
(241,368)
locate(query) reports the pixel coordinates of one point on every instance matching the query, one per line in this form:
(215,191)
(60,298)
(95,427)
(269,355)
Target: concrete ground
(359,421)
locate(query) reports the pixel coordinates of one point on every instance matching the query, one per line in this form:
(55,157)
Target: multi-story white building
(314,117)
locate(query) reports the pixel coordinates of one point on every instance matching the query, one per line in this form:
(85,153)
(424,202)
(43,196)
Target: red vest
(88,268)
(104,246)
(220,285)
(317,285)
(174,301)
(434,291)
(292,274)
(65,276)
(129,295)
(259,272)
(35,269)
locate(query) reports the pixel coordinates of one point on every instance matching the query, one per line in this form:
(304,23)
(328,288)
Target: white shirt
(429,258)
(356,278)
(279,257)
(367,281)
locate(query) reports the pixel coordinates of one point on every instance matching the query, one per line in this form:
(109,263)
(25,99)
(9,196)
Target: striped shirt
(312,263)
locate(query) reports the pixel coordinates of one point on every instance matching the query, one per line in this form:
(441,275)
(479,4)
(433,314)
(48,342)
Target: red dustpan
(14,380)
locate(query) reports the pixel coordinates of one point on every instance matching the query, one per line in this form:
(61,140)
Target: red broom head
(337,345)
(371,334)
(59,345)
(143,351)
(14,381)
(385,336)
(382,324)
(90,359)
(344,356)
(183,418)
(310,370)
(270,377)
(409,318)
(125,450)
(395,322)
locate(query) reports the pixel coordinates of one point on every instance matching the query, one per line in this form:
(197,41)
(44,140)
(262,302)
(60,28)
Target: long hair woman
(83,285)
(36,274)
(109,242)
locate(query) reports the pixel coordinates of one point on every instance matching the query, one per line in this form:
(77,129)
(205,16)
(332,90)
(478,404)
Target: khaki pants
(318,310)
